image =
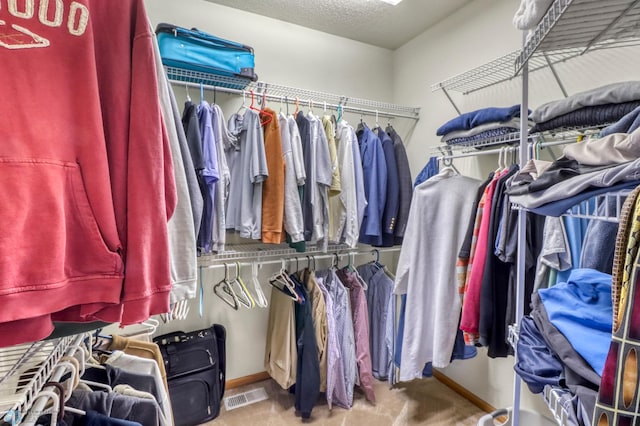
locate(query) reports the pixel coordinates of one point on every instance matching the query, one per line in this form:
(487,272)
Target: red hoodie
(86,178)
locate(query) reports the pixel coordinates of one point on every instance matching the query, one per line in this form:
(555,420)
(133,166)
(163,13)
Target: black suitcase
(195,365)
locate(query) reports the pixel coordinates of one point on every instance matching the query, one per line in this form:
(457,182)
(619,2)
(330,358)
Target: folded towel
(476,118)
(615,93)
(530,13)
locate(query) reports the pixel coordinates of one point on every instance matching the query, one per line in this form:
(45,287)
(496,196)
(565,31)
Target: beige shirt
(281,352)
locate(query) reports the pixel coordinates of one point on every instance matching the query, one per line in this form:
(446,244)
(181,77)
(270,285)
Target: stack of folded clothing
(474,127)
(530,13)
(584,170)
(593,108)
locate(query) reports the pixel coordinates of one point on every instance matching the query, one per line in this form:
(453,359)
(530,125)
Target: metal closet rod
(301,102)
(303,258)
(509,149)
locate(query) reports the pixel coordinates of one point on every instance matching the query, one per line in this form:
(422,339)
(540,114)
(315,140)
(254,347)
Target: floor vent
(245,398)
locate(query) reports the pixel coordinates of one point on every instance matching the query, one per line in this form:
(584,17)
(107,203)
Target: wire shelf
(291,93)
(578,26)
(501,70)
(588,209)
(552,399)
(513,336)
(477,145)
(24,369)
(258,252)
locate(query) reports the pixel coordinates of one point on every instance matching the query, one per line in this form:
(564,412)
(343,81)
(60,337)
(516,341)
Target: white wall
(289,55)
(474,35)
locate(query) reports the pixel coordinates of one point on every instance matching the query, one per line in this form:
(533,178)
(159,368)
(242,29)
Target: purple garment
(361,331)
(210,174)
(335,371)
(344,337)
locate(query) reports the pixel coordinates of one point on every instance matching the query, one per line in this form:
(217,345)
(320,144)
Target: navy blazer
(392,203)
(405,183)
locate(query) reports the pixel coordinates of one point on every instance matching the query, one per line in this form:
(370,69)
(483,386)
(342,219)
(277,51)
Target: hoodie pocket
(48,232)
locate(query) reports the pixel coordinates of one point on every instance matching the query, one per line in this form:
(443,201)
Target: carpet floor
(421,402)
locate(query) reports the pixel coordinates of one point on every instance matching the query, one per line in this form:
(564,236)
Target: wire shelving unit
(291,95)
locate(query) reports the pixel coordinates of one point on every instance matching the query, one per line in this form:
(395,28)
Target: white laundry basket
(527,418)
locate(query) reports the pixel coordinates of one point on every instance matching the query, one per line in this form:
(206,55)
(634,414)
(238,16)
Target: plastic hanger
(310,107)
(336,261)
(263,112)
(377,123)
(244,102)
(225,292)
(261,300)
(243,295)
(297,107)
(281,281)
(186,88)
(201,92)
(376,262)
(339,111)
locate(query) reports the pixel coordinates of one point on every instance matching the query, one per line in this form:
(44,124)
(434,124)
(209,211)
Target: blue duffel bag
(193,55)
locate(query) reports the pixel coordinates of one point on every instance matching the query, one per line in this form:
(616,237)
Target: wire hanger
(225,292)
(310,106)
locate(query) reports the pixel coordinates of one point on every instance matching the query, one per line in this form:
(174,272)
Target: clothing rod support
(497,150)
(302,257)
(556,76)
(292,100)
(451,100)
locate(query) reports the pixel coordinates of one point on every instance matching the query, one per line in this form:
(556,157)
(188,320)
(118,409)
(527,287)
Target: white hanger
(260,299)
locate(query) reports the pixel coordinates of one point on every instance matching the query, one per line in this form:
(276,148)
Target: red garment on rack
(470,320)
(86,175)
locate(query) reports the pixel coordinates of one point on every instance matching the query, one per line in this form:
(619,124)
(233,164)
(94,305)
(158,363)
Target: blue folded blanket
(472,119)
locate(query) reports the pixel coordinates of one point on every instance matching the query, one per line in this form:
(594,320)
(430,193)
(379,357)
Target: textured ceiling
(370,21)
